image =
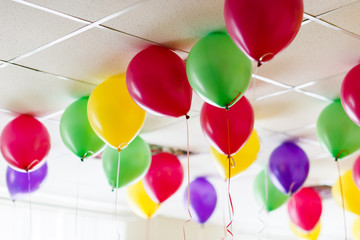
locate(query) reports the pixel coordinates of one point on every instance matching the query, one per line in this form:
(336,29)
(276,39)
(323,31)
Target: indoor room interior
(54,52)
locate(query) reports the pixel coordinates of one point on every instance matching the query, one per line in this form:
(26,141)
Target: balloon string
(148,229)
(188,169)
(254,82)
(30,210)
(201,232)
(77,199)
(342,196)
(262,221)
(229,157)
(116,192)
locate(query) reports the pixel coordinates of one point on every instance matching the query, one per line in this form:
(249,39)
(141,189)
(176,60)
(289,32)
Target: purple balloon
(202,199)
(18,182)
(288,167)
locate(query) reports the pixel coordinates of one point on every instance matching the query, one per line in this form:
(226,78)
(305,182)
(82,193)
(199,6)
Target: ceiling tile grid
(27,28)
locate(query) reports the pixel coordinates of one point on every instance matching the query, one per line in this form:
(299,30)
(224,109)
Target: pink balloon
(156,80)
(24,142)
(356,172)
(350,94)
(262,28)
(213,122)
(305,208)
(164,177)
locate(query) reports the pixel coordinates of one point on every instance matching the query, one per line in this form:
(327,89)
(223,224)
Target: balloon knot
(82,159)
(227,108)
(119,149)
(187,116)
(259,63)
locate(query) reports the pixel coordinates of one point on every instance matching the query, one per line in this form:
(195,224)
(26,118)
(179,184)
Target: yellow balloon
(139,200)
(242,159)
(356,229)
(312,235)
(112,113)
(351,193)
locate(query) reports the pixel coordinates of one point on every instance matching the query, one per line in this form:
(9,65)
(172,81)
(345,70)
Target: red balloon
(213,122)
(356,172)
(156,80)
(305,208)
(24,142)
(262,28)
(350,94)
(164,177)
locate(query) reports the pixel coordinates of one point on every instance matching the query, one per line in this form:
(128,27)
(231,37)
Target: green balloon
(274,198)
(217,70)
(336,132)
(135,161)
(76,131)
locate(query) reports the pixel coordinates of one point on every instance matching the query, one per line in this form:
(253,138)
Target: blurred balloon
(76,132)
(217,70)
(305,208)
(351,193)
(202,199)
(134,163)
(156,80)
(356,172)
(242,159)
(312,235)
(19,185)
(350,94)
(336,132)
(356,228)
(24,143)
(139,201)
(263,28)
(164,177)
(213,122)
(271,198)
(112,114)
(288,167)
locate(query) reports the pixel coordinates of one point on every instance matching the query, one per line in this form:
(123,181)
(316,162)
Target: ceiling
(54,52)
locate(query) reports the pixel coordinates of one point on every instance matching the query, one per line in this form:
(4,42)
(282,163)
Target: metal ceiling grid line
(331,25)
(310,126)
(273,82)
(51,74)
(79,31)
(278,93)
(54,12)
(314,95)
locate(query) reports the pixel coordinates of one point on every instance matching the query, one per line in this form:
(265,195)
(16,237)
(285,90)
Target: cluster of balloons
(281,182)
(24,144)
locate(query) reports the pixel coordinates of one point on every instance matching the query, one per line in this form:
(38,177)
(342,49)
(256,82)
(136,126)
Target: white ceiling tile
(316,53)
(24,29)
(86,9)
(287,111)
(26,91)
(177,24)
(317,7)
(95,55)
(347,18)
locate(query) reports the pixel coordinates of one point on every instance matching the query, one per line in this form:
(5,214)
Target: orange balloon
(242,159)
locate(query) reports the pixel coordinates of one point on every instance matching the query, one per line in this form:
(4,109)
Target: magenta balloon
(24,142)
(350,94)
(203,199)
(356,172)
(156,80)
(213,122)
(18,182)
(288,167)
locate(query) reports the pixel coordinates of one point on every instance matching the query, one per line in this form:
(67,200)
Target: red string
(229,157)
